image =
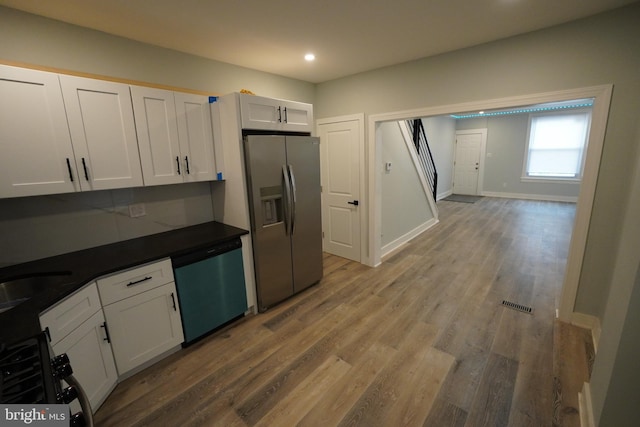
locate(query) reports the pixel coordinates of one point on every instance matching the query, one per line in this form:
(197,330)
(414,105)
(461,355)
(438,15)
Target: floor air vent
(518,307)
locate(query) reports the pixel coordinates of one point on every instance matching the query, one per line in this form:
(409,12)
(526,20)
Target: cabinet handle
(47,332)
(139,281)
(186,161)
(106,332)
(279,115)
(173,300)
(69,168)
(285,115)
(86,173)
(178,164)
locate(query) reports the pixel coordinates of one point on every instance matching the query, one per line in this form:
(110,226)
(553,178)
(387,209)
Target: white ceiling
(347,36)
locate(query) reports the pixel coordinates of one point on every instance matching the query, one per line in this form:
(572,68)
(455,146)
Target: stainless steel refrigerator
(283,175)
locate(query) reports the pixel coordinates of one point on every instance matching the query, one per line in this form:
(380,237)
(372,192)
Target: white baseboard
(585,407)
(443,195)
(544,197)
(405,238)
(588,322)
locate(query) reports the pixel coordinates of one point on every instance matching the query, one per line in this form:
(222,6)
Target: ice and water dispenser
(271,201)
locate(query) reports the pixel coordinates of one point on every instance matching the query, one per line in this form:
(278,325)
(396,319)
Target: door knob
(354,203)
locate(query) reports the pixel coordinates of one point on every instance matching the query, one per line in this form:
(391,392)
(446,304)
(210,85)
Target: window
(557,144)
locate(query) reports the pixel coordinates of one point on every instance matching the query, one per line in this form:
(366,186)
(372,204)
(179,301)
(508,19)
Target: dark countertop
(86,265)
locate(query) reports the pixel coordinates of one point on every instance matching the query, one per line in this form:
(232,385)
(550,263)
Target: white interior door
(340,155)
(468,161)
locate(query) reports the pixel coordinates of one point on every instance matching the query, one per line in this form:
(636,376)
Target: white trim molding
(525,196)
(405,238)
(592,323)
(585,407)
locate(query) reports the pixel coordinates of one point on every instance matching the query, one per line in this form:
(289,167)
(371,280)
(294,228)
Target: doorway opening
(601,96)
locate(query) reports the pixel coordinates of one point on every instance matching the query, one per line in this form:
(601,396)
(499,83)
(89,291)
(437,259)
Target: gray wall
(441,134)
(615,381)
(40,41)
(506,146)
(37,227)
(599,50)
(624,386)
(404,203)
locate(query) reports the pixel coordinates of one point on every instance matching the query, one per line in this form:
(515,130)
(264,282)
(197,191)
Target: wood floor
(420,340)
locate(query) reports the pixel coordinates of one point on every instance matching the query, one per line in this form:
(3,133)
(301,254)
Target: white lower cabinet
(142,311)
(90,355)
(76,326)
(144,326)
(138,323)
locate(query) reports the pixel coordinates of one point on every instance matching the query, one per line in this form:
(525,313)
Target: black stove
(28,375)
(25,373)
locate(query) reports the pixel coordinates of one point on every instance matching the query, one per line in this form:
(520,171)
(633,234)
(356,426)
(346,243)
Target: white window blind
(557,144)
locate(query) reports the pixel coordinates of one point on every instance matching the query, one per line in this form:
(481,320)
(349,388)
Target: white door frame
(364,199)
(602,100)
(483,152)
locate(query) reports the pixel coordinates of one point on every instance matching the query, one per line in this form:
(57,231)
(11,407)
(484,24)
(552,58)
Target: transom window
(557,145)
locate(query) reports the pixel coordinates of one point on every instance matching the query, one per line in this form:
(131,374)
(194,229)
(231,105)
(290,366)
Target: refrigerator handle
(293,199)
(287,194)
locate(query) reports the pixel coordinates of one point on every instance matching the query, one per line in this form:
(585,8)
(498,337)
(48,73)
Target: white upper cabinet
(195,135)
(262,113)
(174,136)
(103,132)
(157,129)
(37,156)
(62,133)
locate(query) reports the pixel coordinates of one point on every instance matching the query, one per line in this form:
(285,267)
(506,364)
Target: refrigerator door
(303,162)
(265,156)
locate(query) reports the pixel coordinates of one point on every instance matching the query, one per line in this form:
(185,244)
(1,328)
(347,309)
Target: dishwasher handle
(205,253)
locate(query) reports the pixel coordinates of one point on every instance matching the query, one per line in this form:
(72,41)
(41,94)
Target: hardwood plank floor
(422,340)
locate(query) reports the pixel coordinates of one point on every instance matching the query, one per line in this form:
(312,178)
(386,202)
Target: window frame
(558,179)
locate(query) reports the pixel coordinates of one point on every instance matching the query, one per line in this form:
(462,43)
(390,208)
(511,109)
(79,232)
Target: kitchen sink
(14,292)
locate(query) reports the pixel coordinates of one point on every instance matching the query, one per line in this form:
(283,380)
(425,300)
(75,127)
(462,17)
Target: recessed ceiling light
(481,112)
(309,57)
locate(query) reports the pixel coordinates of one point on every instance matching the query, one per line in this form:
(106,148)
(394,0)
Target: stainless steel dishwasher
(211,288)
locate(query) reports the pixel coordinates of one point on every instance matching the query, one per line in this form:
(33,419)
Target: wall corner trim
(586,407)
(590,322)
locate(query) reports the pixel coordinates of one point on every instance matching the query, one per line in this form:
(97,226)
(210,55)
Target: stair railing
(424,154)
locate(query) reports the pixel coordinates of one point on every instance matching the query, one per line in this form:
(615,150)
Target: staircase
(424,154)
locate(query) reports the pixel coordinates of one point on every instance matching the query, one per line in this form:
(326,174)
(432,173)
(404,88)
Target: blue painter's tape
(219,176)
(213,99)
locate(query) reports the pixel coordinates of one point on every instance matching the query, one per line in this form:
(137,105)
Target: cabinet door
(157,130)
(91,359)
(195,135)
(262,113)
(37,157)
(103,133)
(64,317)
(297,116)
(144,326)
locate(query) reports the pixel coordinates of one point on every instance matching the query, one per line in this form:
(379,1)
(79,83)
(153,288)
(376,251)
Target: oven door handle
(85,404)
